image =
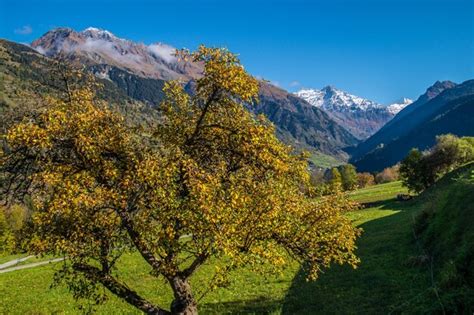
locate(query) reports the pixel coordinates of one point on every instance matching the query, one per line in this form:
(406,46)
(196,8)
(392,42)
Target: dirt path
(14,262)
(41,263)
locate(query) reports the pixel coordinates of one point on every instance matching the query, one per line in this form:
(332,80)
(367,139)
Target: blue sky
(379,49)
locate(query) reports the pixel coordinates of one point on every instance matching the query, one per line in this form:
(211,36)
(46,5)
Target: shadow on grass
(384,281)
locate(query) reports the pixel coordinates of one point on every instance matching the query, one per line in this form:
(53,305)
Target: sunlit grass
(28,291)
(378,192)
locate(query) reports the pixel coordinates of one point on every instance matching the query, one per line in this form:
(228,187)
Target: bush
(348,176)
(12,222)
(389,174)
(365,179)
(421,170)
(335,179)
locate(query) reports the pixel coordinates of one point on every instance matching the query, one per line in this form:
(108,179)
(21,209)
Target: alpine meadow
(242,175)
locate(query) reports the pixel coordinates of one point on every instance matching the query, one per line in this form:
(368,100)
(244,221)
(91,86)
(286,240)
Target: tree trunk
(183,303)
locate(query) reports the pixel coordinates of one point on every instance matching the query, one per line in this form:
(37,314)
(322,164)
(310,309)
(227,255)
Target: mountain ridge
(360,116)
(445,107)
(297,122)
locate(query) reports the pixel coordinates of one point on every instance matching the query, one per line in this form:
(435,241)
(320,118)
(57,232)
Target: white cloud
(295,84)
(163,51)
(24,30)
(108,49)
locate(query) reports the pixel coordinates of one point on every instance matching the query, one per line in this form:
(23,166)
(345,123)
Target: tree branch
(137,241)
(205,108)
(194,265)
(119,289)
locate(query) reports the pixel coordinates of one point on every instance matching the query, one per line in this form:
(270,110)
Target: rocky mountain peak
(98,33)
(94,46)
(437,88)
(360,116)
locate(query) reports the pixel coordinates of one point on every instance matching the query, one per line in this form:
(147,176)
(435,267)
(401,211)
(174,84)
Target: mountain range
(139,71)
(360,116)
(332,124)
(445,107)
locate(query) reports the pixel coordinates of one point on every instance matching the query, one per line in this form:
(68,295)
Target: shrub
(365,179)
(389,174)
(348,176)
(421,170)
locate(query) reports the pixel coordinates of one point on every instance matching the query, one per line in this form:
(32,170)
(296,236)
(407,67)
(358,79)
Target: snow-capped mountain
(398,105)
(331,98)
(360,116)
(94,46)
(140,71)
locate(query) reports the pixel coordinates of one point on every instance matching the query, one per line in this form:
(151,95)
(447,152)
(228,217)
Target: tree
(348,176)
(334,179)
(420,171)
(365,179)
(412,171)
(388,175)
(210,180)
(448,153)
(317,177)
(12,222)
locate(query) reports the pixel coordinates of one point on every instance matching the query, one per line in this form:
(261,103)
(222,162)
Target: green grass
(378,192)
(323,160)
(446,229)
(28,291)
(386,280)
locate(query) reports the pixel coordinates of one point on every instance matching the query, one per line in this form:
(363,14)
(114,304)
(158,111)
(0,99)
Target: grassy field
(384,282)
(323,160)
(378,192)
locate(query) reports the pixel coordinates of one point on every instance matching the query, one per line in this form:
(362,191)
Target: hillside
(141,70)
(395,274)
(418,125)
(446,231)
(27,77)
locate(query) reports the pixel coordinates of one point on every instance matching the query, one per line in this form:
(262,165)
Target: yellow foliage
(211,180)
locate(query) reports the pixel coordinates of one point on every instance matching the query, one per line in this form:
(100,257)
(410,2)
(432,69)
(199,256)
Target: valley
(388,280)
(203,157)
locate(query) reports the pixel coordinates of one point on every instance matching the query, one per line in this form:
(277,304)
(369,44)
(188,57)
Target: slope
(449,112)
(397,126)
(401,274)
(140,70)
(445,228)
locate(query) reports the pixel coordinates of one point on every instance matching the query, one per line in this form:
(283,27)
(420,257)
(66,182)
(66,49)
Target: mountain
(307,125)
(27,77)
(393,129)
(444,108)
(93,46)
(359,116)
(139,72)
(398,105)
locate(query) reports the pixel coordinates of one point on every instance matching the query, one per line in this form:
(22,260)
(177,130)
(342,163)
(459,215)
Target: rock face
(444,108)
(140,70)
(308,125)
(359,116)
(93,46)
